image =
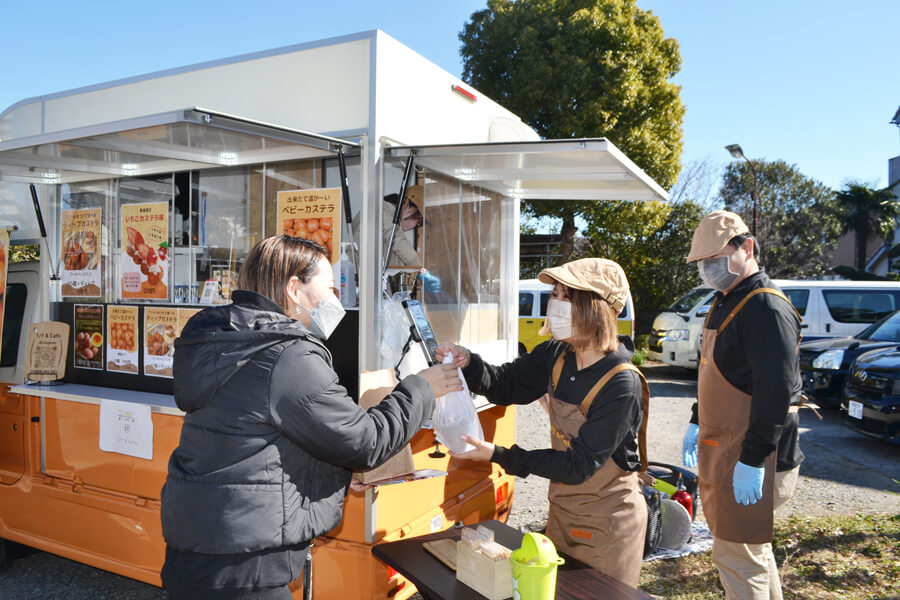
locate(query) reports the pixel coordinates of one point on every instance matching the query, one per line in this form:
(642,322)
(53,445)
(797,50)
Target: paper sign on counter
(126,428)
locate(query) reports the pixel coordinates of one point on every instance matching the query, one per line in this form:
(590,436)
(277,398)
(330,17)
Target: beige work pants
(748,571)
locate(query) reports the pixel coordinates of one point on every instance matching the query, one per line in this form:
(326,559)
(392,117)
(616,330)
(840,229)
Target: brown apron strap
(557,369)
(744,300)
(645,400)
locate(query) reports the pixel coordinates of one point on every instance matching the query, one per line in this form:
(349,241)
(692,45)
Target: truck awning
(179,140)
(576,169)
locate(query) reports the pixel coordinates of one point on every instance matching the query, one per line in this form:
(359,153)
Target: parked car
(533,298)
(824,364)
(871,402)
(829,309)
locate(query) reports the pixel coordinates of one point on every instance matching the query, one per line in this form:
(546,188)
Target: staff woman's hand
(483,450)
(461,355)
(443,379)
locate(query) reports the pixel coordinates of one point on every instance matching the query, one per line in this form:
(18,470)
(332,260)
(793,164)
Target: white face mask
(559,318)
(716,272)
(326,316)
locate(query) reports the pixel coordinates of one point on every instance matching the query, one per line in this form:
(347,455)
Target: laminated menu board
(46,351)
(145,249)
(80,259)
(88,328)
(160,331)
(314,215)
(122,338)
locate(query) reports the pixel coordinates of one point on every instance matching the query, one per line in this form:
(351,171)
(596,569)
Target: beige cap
(714,232)
(599,275)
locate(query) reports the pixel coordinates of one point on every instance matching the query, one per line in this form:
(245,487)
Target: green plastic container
(534,568)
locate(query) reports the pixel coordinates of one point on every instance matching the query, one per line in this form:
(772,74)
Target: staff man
(749,377)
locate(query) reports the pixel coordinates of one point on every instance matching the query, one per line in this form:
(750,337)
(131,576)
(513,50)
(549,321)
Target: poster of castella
(145,246)
(88,327)
(80,273)
(314,215)
(122,338)
(160,331)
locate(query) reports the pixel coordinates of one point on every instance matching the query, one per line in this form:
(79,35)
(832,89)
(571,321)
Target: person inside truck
(403,253)
(270,437)
(597,405)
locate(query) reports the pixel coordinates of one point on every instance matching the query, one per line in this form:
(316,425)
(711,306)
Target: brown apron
(603,521)
(724,417)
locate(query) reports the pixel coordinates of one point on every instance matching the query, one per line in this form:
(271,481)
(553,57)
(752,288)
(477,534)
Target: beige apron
(724,417)
(602,521)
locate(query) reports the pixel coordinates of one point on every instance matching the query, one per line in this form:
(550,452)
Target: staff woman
(270,437)
(596,405)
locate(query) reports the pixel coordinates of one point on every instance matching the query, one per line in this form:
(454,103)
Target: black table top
(574,580)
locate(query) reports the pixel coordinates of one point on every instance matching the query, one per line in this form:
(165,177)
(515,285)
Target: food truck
(144,195)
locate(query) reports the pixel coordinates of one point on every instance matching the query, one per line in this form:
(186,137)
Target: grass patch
(848,557)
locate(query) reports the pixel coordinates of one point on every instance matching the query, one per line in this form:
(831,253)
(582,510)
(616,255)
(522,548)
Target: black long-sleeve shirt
(757,354)
(613,419)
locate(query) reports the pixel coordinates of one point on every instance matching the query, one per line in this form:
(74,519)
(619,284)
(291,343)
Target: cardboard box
(373,387)
(490,578)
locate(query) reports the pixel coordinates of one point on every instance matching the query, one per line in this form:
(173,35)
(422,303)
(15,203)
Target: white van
(828,308)
(533,297)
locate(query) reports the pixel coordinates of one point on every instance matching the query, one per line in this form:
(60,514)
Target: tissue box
(490,578)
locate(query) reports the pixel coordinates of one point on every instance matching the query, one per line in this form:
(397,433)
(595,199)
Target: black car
(871,403)
(824,364)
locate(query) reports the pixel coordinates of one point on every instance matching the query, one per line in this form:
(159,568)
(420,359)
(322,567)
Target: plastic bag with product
(455,416)
(395,330)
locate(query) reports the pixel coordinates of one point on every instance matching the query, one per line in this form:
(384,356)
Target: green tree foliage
(24,253)
(798,223)
(581,68)
(650,240)
(866,211)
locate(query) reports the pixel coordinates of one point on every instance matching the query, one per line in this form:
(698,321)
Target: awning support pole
(348,218)
(54,274)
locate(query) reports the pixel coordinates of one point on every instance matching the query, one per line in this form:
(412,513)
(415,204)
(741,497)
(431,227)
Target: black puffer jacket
(270,437)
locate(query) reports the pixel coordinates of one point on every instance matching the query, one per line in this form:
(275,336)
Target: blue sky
(811,83)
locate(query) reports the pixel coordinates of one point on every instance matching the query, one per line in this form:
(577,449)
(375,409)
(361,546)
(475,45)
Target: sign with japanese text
(46,351)
(4,258)
(314,215)
(160,331)
(88,327)
(126,428)
(80,231)
(184,315)
(122,338)
(145,246)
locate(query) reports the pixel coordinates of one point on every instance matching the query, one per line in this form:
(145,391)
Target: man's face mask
(326,316)
(559,319)
(716,273)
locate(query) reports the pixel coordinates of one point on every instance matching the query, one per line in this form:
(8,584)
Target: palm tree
(865,210)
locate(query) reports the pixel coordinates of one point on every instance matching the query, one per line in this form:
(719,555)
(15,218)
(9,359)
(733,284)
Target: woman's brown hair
(272,262)
(594,322)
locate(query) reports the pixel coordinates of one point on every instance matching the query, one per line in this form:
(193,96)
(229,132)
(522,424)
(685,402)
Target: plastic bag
(455,416)
(395,330)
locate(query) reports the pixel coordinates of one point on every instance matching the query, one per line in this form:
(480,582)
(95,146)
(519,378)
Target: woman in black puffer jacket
(270,437)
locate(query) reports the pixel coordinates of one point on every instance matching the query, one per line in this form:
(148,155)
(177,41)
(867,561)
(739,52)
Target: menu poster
(122,338)
(314,215)
(184,315)
(46,351)
(145,243)
(4,254)
(88,350)
(81,252)
(160,331)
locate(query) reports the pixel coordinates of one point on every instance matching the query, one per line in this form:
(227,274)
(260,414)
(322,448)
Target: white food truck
(145,194)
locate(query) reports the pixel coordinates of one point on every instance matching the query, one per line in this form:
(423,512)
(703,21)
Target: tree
(798,216)
(581,68)
(864,211)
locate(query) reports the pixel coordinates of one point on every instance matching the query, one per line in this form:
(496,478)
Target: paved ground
(845,473)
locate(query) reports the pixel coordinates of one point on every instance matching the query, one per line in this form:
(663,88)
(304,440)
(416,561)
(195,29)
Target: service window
(860,306)
(799,298)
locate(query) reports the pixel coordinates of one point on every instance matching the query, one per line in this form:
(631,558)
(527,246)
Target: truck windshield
(690,300)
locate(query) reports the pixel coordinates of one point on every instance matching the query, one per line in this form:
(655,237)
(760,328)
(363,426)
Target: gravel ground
(844,473)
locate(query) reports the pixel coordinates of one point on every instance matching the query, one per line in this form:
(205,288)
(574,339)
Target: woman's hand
(461,355)
(356,486)
(483,450)
(443,379)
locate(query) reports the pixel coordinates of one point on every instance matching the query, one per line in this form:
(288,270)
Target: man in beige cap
(748,380)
